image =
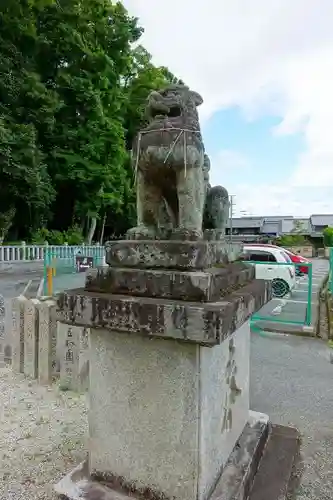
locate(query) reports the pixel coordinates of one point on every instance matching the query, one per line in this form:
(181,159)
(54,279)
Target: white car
(272,264)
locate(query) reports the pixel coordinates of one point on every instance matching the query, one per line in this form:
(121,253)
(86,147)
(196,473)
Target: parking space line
(299,301)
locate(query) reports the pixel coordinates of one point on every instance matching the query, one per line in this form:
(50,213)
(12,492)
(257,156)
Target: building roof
(322,220)
(283,224)
(246,222)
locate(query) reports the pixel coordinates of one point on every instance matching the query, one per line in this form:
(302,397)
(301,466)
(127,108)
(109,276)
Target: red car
(296,259)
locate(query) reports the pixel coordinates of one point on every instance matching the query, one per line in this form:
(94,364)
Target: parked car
(298,259)
(283,277)
(295,258)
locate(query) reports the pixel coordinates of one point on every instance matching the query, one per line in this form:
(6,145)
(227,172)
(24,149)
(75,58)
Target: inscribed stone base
(47,341)
(167,254)
(166,415)
(31,338)
(84,359)
(2,330)
(18,333)
(235,482)
(202,286)
(205,323)
(69,342)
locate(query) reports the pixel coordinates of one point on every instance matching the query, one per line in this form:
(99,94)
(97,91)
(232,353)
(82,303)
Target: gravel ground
(42,435)
(43,431)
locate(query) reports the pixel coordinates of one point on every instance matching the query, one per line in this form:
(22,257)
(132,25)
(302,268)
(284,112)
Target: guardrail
(281,309)
(28,253)
(76,259)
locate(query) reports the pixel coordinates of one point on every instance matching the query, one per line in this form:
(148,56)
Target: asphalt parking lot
(290,381)
(280,312)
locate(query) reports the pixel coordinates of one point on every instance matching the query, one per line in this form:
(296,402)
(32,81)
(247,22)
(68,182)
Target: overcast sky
(265,71)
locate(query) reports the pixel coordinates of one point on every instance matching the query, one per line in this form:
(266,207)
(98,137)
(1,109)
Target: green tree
(72,98)
(84,49)
(25,103)
(328,236)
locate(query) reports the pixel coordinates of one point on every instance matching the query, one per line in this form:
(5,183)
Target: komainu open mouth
(174,112)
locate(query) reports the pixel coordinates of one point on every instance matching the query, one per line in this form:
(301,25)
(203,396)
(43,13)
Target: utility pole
(231,213)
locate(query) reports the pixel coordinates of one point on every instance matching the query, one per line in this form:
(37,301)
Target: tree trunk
(92,229)
(102,230)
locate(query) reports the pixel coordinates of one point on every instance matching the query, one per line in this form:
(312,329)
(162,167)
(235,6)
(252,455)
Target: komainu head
(174,107)
(173,134)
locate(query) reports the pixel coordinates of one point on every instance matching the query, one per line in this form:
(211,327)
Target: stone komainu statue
(168,156)
(217,205)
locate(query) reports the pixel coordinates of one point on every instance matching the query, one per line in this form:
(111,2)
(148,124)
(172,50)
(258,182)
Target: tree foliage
(72,91)
(328,236)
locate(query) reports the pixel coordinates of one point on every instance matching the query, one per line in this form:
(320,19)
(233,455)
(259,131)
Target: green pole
(309,305)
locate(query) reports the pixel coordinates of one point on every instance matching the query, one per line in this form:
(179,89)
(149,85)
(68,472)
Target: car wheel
(280,287)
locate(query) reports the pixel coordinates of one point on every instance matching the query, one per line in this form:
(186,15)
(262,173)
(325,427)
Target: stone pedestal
(169,366)
(174,411)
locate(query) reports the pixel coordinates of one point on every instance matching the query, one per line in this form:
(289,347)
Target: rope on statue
(181,131)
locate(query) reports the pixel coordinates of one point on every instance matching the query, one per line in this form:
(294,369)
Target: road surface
(291,381)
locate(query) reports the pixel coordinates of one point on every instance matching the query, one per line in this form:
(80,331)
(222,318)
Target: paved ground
(291,381)
(293,308)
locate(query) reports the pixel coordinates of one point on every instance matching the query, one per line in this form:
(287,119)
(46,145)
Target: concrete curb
(273,479)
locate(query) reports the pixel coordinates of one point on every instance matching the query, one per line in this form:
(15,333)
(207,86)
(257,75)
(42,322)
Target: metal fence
(291,307)
(63,266)
(28,253)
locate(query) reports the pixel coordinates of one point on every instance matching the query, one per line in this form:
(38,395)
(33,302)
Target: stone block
(47,341)
(165,416)
(31,338)
(69,340)
(203,323)
(235,483)
(202,286)
(84,366)
(169,254)
(2,331)
(18,304)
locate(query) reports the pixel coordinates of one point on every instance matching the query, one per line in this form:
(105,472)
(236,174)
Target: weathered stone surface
(234,484)
(168,160)
(69,338)
(201,286)
(170,254)
(47,341)
(239,472)
(204,323)
(18,305)
(166,403)
(217,205)
(2,330)
(31,335)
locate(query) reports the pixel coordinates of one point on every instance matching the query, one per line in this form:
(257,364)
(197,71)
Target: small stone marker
(2,330)
(47,341)
(31,338)
(84,359)
(18,304)
(69,338)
